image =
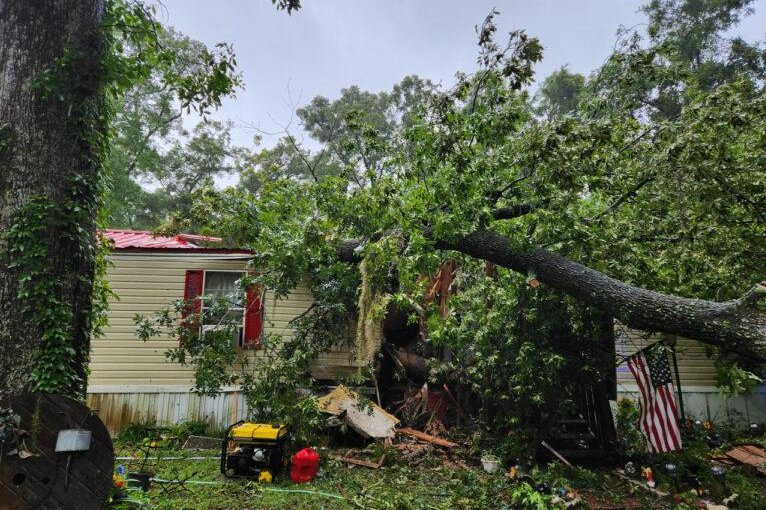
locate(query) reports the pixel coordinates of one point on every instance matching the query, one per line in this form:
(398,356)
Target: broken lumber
(751,455)
(428,438)
(557,454)
(367,418)
(360,462)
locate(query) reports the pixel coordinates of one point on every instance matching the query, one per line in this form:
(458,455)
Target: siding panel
(145,283)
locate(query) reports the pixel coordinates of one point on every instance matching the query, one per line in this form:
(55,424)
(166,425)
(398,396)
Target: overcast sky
(331,44)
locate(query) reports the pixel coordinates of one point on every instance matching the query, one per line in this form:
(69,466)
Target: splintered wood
(422,436)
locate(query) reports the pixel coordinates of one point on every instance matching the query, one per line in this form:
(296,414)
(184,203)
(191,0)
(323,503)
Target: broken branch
(428,438)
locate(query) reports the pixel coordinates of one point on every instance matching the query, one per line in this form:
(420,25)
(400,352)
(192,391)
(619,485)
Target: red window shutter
(253,317)
(192,304)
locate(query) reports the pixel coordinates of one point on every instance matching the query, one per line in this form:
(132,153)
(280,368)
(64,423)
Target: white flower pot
(490,463)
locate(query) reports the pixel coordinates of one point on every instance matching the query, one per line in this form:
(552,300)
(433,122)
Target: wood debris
(367,418)
(722,459)
(557,454)
(435,427)
(360,462)
(414,453)
(751,455)
(422,436)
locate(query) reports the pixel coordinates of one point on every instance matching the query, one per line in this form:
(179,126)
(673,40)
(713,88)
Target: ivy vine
(128,42)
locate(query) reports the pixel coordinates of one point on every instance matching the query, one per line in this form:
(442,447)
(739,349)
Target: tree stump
(49,480)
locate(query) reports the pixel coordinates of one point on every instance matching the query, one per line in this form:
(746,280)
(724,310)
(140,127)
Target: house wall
(701,397)
(130,380)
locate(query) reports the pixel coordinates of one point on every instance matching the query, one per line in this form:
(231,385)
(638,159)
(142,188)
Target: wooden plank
(422,436)
(750,455)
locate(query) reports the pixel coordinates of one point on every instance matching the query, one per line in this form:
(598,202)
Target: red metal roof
(143,239)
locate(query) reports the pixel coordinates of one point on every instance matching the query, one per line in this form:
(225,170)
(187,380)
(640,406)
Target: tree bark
(50,126)
(735,326)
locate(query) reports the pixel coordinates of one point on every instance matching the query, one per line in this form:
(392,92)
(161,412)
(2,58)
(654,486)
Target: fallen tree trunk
(735,326)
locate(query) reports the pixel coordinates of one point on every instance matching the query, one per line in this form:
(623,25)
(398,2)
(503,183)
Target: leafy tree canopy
(560,93)
(354,134)
(651,171)
(671,203)
(152,146)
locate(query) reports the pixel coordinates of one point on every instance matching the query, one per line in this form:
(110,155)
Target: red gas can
(305,466)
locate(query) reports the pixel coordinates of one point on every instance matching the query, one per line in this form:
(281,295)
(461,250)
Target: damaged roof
(146,240)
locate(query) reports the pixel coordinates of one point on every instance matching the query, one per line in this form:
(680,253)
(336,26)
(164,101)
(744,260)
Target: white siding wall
(131,381)
(701,397)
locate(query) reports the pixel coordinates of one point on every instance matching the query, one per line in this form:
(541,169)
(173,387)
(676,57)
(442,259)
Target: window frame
(241,327)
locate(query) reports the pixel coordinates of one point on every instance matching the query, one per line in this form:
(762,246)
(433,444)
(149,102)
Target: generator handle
(225,444)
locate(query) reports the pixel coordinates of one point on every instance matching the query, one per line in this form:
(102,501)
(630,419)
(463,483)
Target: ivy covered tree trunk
(52,143)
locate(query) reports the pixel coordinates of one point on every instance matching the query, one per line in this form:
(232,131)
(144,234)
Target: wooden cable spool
(50,480)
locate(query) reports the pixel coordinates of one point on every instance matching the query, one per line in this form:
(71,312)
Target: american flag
(658,417)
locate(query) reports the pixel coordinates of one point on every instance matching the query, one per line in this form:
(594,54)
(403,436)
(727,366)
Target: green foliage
(150,142)
(631,440)
(138,432)
(57,370)
(275,390)
(733,380)
(664,194)
(289,5)
(560,93)
(132,52)
(524,352)
(664,199)
(38,293)
(356,132)
(525,497)
(273,378)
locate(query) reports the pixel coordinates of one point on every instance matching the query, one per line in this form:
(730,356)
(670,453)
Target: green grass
(434,484)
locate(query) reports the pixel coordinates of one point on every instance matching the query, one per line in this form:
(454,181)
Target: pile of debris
(370,420)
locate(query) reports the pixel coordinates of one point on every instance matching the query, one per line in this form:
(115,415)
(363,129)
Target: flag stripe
(644,402)
(658,411)
(672,415)
(651,406)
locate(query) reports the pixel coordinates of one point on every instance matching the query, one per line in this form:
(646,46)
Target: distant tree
(689,46)
(354,134)
(151,145)
(560,93)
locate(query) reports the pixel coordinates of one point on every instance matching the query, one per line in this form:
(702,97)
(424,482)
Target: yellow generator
(253,450)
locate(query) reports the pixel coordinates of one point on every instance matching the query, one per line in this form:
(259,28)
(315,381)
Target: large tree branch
(514,211)
(734,326)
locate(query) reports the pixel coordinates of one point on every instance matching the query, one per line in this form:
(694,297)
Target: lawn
(435,480)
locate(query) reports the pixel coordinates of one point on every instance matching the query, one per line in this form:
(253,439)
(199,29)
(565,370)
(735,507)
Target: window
(223,303)
(219,298)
